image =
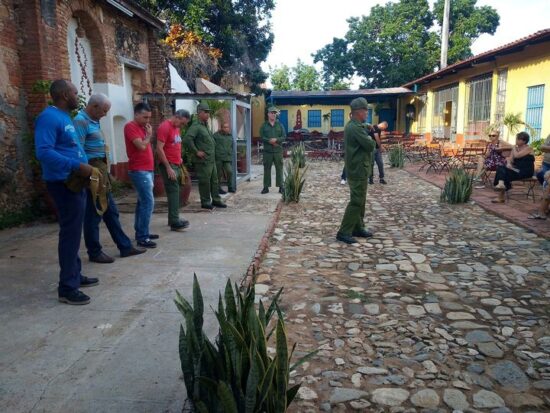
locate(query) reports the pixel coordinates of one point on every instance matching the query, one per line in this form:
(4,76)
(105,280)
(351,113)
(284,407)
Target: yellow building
(326,111)
(460,101)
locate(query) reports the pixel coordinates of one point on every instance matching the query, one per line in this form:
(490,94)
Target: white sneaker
(343,182)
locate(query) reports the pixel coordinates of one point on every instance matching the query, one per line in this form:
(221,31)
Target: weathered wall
(34,47)
(16,190)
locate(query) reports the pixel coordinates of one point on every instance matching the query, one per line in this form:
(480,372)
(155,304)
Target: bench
(531,184)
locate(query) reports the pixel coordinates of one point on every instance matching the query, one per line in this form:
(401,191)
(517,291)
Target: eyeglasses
(493,136)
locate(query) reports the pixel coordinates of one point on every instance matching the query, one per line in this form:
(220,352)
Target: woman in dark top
(520,165)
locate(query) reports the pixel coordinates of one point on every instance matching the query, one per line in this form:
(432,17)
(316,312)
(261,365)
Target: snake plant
(458,187)
(236,372)
(397,156)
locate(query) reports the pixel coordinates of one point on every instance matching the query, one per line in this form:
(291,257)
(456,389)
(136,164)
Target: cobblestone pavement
(445,309)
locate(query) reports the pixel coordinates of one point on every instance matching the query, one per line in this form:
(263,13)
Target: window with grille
(501,99)
(444,112)
(478,93)
(337,117)
(535,104)
(313,118)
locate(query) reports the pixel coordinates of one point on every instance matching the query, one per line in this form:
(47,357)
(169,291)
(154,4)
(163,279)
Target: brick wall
(33,46)
(16,189)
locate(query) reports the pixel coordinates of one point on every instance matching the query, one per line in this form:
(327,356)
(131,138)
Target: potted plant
(241,159)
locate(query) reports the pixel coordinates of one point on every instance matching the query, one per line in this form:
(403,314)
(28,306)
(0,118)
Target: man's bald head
(98,106)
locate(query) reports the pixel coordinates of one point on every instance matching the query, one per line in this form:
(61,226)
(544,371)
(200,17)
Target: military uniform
(273,154)
(198,138)
(224,158)
(359,148)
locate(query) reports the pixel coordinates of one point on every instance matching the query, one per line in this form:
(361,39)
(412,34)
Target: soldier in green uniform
(273,135)
(201,143)
(359,148)
(224,156)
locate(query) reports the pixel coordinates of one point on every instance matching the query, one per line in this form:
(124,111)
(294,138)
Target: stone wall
(33,47)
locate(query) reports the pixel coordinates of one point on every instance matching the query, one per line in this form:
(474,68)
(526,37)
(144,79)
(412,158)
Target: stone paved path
(445,309)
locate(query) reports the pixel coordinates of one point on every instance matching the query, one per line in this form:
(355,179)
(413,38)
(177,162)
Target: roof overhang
(132,9)
(519,45)
(197,96)
(336,97)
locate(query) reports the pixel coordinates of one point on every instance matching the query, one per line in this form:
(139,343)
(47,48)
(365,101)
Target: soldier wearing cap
(203,147)
(224,156)
(273,135)
(359,148)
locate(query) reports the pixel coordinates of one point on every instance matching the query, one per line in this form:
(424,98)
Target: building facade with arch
(102,46)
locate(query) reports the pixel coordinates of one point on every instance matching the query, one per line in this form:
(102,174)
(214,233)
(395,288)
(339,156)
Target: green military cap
(204,107)
(359,103)
(272,109)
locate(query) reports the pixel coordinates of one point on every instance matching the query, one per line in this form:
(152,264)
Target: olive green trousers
(355,211)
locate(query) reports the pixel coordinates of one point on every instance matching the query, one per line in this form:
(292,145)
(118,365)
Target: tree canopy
(399,42)
(299,77)
(240,29)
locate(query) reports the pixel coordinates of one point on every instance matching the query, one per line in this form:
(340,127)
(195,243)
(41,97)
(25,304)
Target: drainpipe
(445,35)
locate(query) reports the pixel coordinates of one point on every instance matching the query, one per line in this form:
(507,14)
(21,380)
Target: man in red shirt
(170,165)
(137,136)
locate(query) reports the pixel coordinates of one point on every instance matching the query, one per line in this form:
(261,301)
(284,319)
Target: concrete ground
(119,353)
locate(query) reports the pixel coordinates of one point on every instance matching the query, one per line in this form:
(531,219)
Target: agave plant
(236,373)
(397,156)
(293,183)
(458,187)
(298,155)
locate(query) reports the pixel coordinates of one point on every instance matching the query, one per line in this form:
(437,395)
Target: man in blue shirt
(61,156)
(91,138)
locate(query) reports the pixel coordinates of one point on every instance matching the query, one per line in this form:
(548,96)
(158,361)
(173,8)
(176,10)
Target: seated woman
(493,157)
(520,165)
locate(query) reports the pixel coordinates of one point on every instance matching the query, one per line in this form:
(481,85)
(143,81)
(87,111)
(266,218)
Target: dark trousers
(112,222)
(540,174)
(343,176)
(70,210)
(379,163)
(507,175)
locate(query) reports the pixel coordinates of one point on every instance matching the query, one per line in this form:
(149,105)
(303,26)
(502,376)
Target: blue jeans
(379,163)
(143,182)
(70,213)
(543,170)
(112,222)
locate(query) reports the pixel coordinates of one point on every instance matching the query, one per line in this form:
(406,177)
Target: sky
(301,27)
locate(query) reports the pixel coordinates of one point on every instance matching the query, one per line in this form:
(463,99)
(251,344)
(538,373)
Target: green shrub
(298,155)
(536,147)
(25,215)
(294,181)
(458,187)
(397,156)
(236,373)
